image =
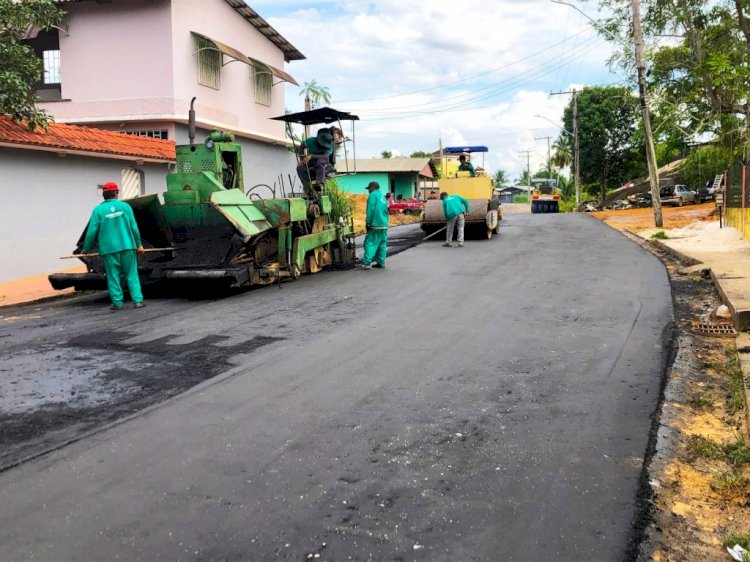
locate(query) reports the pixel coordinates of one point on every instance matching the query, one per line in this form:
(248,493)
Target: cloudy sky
(469,72)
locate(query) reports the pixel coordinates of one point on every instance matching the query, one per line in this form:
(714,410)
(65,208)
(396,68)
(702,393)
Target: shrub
(342,203)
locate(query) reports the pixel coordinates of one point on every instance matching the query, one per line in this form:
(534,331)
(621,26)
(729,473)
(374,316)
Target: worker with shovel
(454,207)
(113,228)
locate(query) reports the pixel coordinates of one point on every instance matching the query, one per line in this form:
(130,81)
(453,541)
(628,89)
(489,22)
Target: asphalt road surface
(492,402)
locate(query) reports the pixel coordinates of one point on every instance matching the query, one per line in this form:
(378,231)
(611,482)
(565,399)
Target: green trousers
(376,246)
(122,264)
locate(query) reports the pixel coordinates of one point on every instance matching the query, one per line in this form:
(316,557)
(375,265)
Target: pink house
(133,66)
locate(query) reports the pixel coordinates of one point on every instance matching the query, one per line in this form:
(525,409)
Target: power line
(451,84)
(505,84)
(372,115)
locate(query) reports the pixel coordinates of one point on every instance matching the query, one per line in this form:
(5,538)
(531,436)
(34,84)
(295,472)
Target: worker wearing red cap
(112,227)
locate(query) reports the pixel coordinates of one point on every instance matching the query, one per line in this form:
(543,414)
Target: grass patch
(737,453)
(520,198)
(661,235)
(736,382)
(729,482)
(699,446)
(742,539)
(735,379)
(701,401)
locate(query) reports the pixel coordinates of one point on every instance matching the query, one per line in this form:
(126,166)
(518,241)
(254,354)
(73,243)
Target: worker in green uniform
(454,207)
(113,229)
(465,166)
(376,222)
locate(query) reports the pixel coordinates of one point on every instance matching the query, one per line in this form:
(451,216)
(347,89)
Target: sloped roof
(290,51)
(85,140)
(422,166)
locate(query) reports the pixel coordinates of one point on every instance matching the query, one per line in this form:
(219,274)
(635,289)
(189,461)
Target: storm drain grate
(723,330)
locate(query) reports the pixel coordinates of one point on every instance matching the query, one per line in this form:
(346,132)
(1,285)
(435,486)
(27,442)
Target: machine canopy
(320,115)
(460,149)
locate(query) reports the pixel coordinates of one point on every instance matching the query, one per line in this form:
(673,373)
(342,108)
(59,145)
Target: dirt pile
(360,211)
(634,220)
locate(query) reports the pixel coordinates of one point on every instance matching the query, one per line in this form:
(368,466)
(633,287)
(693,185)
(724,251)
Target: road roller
(486,210)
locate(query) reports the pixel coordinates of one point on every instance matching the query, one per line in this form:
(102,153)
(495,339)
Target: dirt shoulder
(699,474)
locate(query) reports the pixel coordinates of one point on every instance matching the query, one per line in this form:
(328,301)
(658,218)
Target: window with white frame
(51,62)
(209,62)
(133,183)
(263,80)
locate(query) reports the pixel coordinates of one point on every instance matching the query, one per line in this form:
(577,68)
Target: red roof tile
(86,139)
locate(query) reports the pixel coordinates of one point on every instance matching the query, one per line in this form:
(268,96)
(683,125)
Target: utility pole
(549,155)
(528,168)
(308,107)
(576,152)
(643,90)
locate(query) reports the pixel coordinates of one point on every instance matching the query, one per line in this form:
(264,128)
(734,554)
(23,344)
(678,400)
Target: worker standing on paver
(113,228)
(453,208)
(376,222)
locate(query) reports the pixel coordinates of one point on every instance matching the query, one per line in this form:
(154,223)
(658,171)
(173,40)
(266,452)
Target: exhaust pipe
(191,123)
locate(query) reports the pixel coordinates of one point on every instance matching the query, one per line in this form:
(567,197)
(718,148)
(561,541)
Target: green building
(399,176)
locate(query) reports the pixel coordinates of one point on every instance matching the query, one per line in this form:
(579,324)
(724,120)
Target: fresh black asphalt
(491,402)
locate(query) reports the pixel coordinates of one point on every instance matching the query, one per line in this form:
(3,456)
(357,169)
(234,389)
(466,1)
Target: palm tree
(315,93)
(563,155)
(386,154)
(501,178)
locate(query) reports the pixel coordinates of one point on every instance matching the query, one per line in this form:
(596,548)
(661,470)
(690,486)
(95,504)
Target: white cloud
(421,71)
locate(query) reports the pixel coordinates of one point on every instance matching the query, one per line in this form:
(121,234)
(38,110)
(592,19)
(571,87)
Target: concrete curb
(743,351)
(740,316)
(675,253)
(740,319)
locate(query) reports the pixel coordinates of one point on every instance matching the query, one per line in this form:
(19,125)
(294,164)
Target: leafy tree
(20,68)
(420,154)
(699,83)
(501,178)
(606,133)
(316,93)
(386,154)
(705,163)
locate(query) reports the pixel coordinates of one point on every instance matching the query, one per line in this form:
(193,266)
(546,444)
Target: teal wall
(405,185)
(357,183)
(402,184)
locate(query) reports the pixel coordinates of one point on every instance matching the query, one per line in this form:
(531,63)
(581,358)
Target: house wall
(405,185)
(357,183)
(47,201)
(115,61)
(131,61)
(234,103)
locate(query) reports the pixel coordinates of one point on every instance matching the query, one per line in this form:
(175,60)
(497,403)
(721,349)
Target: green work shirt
(454,205)
(112,226)
(314,147)
(467,167)
(377,210)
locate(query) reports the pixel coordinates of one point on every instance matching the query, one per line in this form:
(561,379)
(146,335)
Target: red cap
(109,186)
